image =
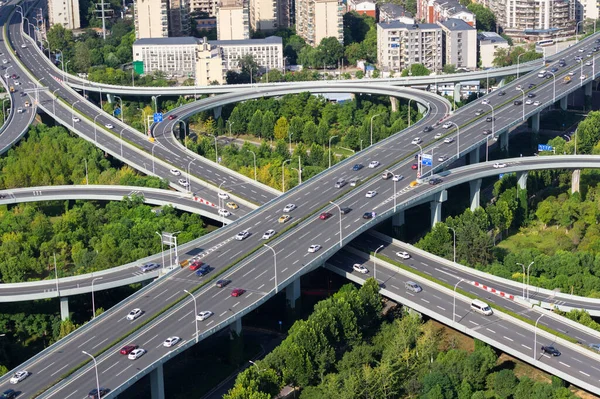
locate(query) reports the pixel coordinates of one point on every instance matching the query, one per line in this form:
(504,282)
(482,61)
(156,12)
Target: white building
(489,43)
(209,65)
(267,52)
(401,45)
(466,88)
(459,44)
(232,20)
(171,55)
(161,18)
(318,19)
(587,9)
(363,7)
(389,12)
(65,13)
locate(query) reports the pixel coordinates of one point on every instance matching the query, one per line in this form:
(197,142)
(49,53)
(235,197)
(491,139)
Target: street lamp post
(162,251)
(154,145)
(95,129)
(189,181)
(553,86)
(577,31)
(230,123)
(95,368)
(457,138)
(535,336)
(73,113)
(375,265)
(331,138)
(523,91)
(340,210)
(54,101)
(290,139)
(528,279)
(283,174)
(454,245)
(254,156)
(216,150)
(419,161)
(372,127)
(518,60)
(454,306)
(409,112)
(121,101)
(93,303)
(523,266)
(221,207)
(121,140)
(274,263)
(155,98)
(195,313)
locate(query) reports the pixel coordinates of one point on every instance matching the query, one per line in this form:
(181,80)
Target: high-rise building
(459,43)
(400,45)
(432,11)
(587,9)
(65,13)
(318,19)
(232,20)
(206,6)
(264,15)
(389,12)
(161,18)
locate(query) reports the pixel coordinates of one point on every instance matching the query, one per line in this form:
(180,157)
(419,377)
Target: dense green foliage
(506,57)
(485,19)
(342,351)
(360,38)
(307,120)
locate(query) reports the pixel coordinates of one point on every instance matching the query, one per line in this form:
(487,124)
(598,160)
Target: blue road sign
(117,112)
(158,117)
(544,147)
(500,176)
(426,160)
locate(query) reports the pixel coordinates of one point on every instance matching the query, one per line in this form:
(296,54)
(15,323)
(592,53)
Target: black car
(94,393)
(368,215)
(9,394)
(518,102)
(550,350)
(203,270)
(435,180)
(427,129)
(554,69)
(501,93)
(531,85)
(222,283)
(358,166)
(345,210)
(489,119)
(531,95)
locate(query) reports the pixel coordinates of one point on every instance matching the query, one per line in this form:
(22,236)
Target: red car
(195,265)
(237,292)
(171,117)
(414,166)
(127,349)
(325,215)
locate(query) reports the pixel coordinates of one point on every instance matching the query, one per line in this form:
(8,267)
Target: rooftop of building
(361,1)
(491,37)
(168,41)
(456,24)
(394,10)
(452,4)
(243,42)
(401,25)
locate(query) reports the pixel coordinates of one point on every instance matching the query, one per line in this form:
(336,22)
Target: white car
(417,140)
(289,207)
(583,77)
(499,165)
(449,140)
(536,103)
(76,119)
(403,255)
(268,234)
(371,194)
(588,63)
(109,126)
(571,73)
(242,235)
(19,110)
(373,164)
(5,61)
(529,102)
(136,354)
(437,135)
(19,376)
(485,102)
(397,177)
(171,341)
(205,314)
(223,196)
(442,158)
(581,50)
(17,83)
(447,125)
(357,267)
(183,182)
(23,45)
(314,248)
(6,76)
(224,212)
(175,172)
(134,314)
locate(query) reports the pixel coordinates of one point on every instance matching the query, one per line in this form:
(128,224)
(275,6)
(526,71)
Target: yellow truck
(12,89)
(566,79)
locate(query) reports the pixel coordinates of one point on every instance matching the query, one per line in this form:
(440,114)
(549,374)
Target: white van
(542,74)
(340,183)
(481,307)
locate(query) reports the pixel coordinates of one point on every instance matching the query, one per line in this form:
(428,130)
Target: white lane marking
(577,360)
(216,294)
(565,364)
(221,315)
(393,286)
(439,307)
(86,341)
(328,239)
(122,371)
(110,367)
(492,331)
(235,304)
(59,370)
(249,271)
(69,395)
(209,323)
(586,374)
(98,344)
(425,300)
(290,254)
(249,295)
(525,346)
(510,339)
(260,287)
(296,261)
(50,365)
(159,294)
(223,253)
(145,343)
(177,293)
(284,269)
(472,322)
(260,274)
(185,315)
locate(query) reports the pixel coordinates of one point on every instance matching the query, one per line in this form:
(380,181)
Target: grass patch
(548,240)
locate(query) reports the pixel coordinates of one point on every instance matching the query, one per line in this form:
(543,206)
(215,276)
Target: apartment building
(389,12)
(65,13)
(587,9)
(489,43)
(161,18)
(318,19)
(209,65)
(269,15)
(208,7)
(232,20)
(432,11)
(400,45)
(363,7)
(171,55)
(267,52)
(459,44)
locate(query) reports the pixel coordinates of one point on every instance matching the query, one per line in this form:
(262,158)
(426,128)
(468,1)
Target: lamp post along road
(93,303)
(254,156)
(374,264)
(374,116)
(518,61)
(195,313)
(454,306)
(331,138)
(535,336)
(274,264)
(523,91)
(189,181)
(340,215)
(96,369)
(283,174)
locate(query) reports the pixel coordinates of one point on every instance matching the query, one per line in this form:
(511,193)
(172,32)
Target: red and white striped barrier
(493,290)
(203,201)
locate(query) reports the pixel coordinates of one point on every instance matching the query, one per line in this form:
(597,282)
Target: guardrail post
(436,206)
(64,307)
(157,383)
(292,293)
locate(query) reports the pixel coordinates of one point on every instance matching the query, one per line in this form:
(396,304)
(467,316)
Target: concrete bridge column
(398,219)
(292,293)
(235,329)
(64,307)
(422,109)
(474,156)
(563,103)
(575,181)
(502,82)
(504,141)
(522,180)
(535,123)
(217,112)
(157,383)
(110,98)
(436,206)
(475,189)
(588,88)
(394,103)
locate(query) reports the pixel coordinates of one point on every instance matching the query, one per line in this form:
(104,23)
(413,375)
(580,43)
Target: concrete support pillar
(110,98)
(474,156)
(292,293)
(456,94)
(502,82)
(522,180)
(535,123)
(575,181)
(64,307)
(436,206)
(422,109)
(235,329)
(394,103)
(504,141)
(398,219)
(588,88)
(157,383)
(217,112)
(563,103)
(475,190)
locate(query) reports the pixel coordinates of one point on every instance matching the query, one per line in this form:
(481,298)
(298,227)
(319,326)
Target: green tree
(331,51)
(268,125)
(281,128)
(485,19)
(255,125)
(416,70)
(505,383)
